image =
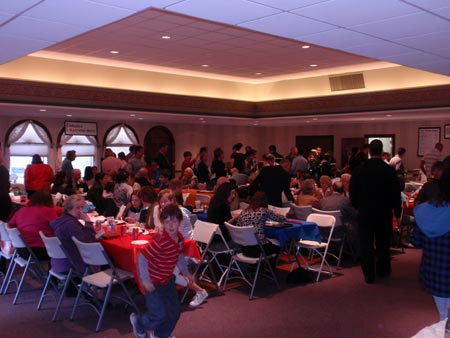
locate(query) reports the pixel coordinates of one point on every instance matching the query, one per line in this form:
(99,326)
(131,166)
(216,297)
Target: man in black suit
(273,180)
(375,193)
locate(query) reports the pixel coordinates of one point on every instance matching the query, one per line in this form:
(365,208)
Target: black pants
(375,240)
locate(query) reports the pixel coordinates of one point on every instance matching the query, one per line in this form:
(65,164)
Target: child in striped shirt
(155,266)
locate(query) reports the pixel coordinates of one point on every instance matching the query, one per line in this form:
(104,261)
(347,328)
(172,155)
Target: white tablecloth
(432,331)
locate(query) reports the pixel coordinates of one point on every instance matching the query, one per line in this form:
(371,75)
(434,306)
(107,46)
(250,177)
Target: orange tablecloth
(192,195)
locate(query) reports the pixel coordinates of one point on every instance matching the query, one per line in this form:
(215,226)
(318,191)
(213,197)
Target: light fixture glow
(258,73)
(68,115)
(205,66)
(42,109)
(132,115)
(114,51)
(315,119)
(388,115)
(166,37)
(201,118)
(306,47)
(313,65)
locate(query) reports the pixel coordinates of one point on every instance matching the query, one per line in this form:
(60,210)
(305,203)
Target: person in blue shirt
(433,236)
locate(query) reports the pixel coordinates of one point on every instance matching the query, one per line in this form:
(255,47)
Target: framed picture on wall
(447,131)
(428,137)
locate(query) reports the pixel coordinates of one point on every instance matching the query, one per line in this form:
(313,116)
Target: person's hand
(130,220)
(189,279)
(148,287)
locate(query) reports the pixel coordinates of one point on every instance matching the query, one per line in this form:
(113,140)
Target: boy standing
(155,265)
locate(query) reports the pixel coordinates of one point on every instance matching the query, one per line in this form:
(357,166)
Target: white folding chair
(301,211)
(279,211)
(215,250)
(55,251)
(30,263)
(246,236)
(203,235)
(193,219)
(185,197)
(339,234)
(93,256)
(7,256)
(320,248)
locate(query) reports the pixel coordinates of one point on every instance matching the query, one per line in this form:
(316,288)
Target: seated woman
(256,215)
(308,195)
(33,218)
(326,186)
(132,213)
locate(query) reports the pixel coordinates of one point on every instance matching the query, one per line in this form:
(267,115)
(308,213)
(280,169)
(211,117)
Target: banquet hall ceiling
(223,34)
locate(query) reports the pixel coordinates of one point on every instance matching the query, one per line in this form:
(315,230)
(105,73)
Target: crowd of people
(367,191)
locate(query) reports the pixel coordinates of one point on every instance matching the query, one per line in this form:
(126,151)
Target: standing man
(163,161)
(66,165)
(375,193)
(273,180)
(299,162)
(431,158)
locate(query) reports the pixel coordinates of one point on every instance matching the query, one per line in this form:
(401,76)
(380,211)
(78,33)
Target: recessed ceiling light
(306,47)
(68,115)
(314,118)
(166,37)
(388,115)
(141,118)
(205,66)
(308,121)
(372,119)
(203,121)
(114,51)
(42,109)
(258,73)
(201,118)
(313,65)
(132,115)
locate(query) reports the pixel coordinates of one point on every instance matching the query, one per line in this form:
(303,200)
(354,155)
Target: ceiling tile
(36,29)
(4,17)
(22,46)
(445,12)
(379,49)
(438,67)
(16,6)
(347,13)
(427,42)
(339,38)
(428,4)
(445,52)
(93,14)
(230,11)
(287,25)
(288,5)
(413,59)
(404,26)
(135,5)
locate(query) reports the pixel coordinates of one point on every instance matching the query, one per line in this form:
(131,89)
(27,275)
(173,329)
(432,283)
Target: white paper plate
(139,242)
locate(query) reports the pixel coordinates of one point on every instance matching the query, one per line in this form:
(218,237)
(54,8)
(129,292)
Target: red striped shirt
(162,255)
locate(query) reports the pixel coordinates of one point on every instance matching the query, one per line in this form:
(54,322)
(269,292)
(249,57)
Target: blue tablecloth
(305,230)
(202,216)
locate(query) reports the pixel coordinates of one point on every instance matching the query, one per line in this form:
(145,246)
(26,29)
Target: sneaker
(137,333)
(199,298)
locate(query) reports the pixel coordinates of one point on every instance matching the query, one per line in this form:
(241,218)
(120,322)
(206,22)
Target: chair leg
(255,279)
(44,290)
(62,295)
(22,279)
(8,276)
(105,303)
(80,291)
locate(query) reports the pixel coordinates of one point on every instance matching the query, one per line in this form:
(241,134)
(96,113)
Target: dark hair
(438,165)
(217,153)
(222,193)
(109,187)
(258,200)
(273,147)
(41,198)
(187,153)
(444,188)
(338,187)
(204,149)
(148,194)
(70,154)
(88,174)
(99,177)
(121,155)
(401,151)
(175,183)
(36,159)
(237,146)
(165,173)
(121,176)
(376,147)
(171,210)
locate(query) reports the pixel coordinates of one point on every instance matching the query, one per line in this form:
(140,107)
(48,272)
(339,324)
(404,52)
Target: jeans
(443,305)
(163,310)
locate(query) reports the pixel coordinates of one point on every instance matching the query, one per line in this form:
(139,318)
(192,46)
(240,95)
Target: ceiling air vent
(346,82)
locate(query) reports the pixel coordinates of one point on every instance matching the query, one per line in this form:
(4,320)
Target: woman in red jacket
(38,176)
(34,217)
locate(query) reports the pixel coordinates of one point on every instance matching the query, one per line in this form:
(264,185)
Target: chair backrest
(16,238)
(242,235)
(279,211)
(185,197)
(53,246)
(243,205)
(91,253)
(193,219)
(3,233)
(301,211)
(325,221)
(203,198)
(236,212)
(335,213)
(204,231)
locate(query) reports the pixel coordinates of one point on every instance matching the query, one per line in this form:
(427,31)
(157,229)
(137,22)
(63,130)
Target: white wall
(192,136)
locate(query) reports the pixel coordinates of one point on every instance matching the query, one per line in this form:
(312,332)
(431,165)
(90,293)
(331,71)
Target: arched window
(85,147)
(154,138)
(119,138)
(24,139)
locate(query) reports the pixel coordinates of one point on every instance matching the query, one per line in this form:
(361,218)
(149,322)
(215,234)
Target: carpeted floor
(341,306)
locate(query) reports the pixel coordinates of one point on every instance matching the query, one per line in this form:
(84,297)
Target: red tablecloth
(192,195)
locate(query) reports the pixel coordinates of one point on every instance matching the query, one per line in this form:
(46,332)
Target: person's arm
(275,217)
(422,167)
(182,265)
(144,274)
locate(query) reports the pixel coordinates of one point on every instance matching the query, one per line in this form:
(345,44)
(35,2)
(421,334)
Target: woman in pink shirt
(35,217)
